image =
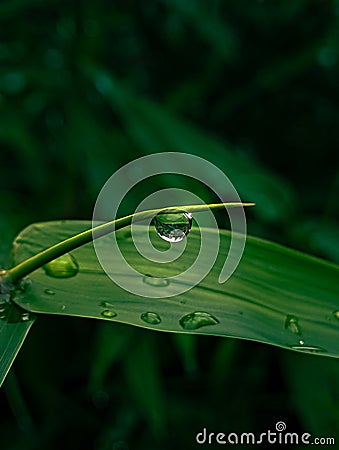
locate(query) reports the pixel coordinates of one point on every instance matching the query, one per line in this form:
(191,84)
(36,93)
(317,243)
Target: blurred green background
(85,87)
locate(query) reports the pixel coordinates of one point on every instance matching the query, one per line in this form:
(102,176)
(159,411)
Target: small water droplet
(109,313)
(151,317)
(49,292)
(63,307)
(197,319)
(24,284)
(292,324)
(156,282)
(107,305)
(336,314)
(307,348)
(25,317)
(4,307)
(301,342)
(173,226)
(65,266)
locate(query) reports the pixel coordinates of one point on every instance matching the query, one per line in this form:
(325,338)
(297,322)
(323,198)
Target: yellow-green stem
(26,267)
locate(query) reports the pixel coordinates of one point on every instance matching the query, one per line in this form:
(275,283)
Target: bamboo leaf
(14,326)
(277,295)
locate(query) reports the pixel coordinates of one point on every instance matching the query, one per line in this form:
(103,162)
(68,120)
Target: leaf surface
(13,331)
(277,295)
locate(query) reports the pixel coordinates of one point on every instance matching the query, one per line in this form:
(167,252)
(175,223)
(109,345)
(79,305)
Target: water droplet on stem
(173,226)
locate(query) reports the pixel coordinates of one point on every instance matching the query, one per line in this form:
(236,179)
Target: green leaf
(277,295)
(13,331)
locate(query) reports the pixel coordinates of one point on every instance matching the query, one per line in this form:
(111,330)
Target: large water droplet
(151,318)
(109,313)
(65,266)
(291,324)
(156,282)
(197,320)
(173,226)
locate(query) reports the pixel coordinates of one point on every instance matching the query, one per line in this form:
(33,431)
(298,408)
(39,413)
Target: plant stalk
(35,262)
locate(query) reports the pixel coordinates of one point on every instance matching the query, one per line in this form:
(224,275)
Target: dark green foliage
(86,86)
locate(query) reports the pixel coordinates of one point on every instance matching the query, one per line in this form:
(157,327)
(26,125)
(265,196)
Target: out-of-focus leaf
(187,347)
(144,379)
(153,129)
(314,388)
(207,24)
(109,345)
(277,295)
(321,237)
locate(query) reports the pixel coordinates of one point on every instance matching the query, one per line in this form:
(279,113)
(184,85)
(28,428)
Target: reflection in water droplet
(151,317)
(109,313)
(336,314)
(307,348)
(301,342)
(291,323)
(173,226)
(197,319)
(25,317)
(156,282)
(65,266)
(49,292)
